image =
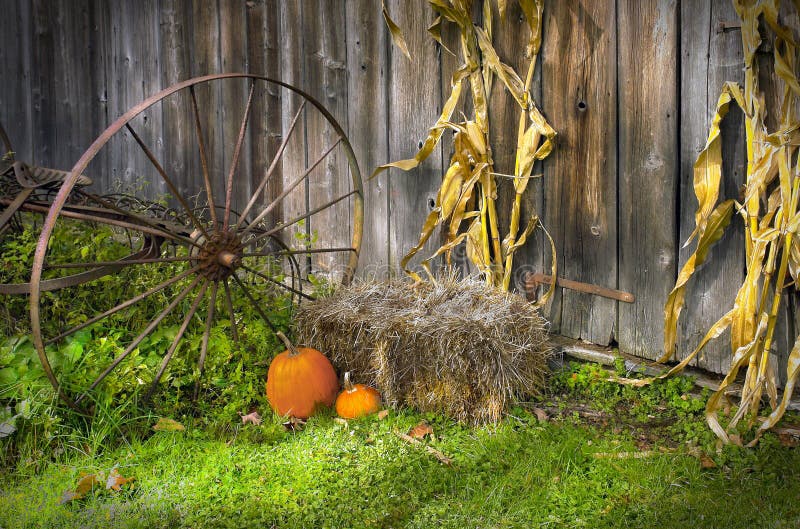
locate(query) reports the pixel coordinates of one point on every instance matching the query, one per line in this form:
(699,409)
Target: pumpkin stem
(348,386)
(289,345)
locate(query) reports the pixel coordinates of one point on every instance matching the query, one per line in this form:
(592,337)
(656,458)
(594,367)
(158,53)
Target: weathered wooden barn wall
(629,85)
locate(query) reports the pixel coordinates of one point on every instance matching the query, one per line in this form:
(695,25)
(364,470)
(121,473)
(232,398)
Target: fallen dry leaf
(168,425)
(383,414)
(788,440)
(706,462)
(251,418)
(115,480)
(84,486)
(294,424)
(421,430)
(541,415)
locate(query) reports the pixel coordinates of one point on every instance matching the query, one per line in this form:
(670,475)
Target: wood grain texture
(133,74)
(709,58)
(181,150)
(234,94)
(16,109)
(414,106)
(325,59)
(367,120)
(511,37)
(77,65)
(581,174)
(263,58)
(205,60)
(648,166)
(293,161)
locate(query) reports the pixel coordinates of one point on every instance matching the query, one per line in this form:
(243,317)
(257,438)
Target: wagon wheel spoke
(301,252)
(276,282)
(204,344)
(236,152)
(203,157)
(297,181)
(121,262)
(255,304)
(231,313)
(273,164)
(125,304)
(174,345)
(245,251)
(297,219)
(177,194)
(133,345)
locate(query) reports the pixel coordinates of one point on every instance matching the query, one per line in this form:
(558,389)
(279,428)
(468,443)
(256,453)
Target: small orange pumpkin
(357,400)
(300,380)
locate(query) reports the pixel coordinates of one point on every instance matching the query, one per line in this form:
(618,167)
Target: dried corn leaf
(435,132)
(713,229)
(740,358)
(397,34)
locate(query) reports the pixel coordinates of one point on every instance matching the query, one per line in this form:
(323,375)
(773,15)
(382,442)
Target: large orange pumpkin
(357,400)
(300,380)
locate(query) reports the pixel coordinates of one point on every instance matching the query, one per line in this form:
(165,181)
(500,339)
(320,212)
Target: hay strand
(454,347)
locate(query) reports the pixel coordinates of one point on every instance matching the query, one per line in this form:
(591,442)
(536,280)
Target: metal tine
(123,263)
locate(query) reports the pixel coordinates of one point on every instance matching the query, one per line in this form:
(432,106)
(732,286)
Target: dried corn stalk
(471,172)
(769,211)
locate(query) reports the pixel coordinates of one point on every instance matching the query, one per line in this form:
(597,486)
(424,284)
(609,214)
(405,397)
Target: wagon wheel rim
(220,249)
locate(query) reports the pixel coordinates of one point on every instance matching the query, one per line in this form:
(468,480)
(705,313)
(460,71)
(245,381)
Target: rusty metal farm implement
(223,250)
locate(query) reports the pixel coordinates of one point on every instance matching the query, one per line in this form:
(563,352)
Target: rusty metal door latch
(532,282)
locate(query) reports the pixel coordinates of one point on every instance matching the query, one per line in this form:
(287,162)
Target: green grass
(520,473)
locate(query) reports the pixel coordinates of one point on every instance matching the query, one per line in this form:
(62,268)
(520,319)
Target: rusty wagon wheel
(242,236)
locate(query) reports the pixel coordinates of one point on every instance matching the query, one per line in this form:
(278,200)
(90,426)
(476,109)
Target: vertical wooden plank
(133,75)
(99,54)
(70,83)
(414,106)
(511,35)
(293,161)
(581,174)
(367,118)
(233,58)
(325,57)
(43,95)
(15,92)
(263,58)
(648,160)
(181,150)
(205,60)
(709,58)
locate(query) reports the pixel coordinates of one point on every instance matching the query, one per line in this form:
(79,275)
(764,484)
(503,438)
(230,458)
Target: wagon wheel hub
(219,255)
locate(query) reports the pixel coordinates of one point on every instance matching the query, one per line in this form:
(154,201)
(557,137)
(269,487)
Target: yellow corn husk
(773,252)
(470,176)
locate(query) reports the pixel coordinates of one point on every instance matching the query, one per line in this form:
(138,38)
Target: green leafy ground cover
(592,453)
(585,466)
